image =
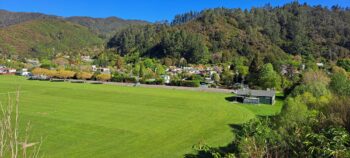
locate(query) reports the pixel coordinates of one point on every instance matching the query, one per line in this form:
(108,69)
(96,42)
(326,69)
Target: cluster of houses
(7,71)
(198,70)
(102,70)
(11,71)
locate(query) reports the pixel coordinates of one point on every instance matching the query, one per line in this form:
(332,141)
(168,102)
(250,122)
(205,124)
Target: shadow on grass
(280,97)
(230,148)
(234,99)
(230,99)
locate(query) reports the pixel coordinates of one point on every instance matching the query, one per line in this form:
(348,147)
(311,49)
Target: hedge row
(186,83)
(153,82)
(124,79)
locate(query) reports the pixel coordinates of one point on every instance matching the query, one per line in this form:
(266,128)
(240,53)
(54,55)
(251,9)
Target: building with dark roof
(250,96)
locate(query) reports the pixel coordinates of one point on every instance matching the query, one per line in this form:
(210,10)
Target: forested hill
(267,33)
(105,27)
(12,18)
(46,38)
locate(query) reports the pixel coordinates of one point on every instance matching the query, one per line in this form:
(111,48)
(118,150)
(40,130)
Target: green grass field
(86,120)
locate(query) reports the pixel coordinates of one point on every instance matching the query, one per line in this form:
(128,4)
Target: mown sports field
(86,120)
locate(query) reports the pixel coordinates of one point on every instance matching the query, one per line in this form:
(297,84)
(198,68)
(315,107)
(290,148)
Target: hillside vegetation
(11,18)
(105,27)
(43,38)
(267,34)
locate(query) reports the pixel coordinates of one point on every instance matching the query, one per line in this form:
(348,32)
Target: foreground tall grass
(13,143)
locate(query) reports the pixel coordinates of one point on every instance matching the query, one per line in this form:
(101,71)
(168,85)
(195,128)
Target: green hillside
(42,38)
(219,35)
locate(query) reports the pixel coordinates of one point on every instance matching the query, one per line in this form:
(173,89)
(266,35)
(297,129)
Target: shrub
(338,111)
(103,77)
(123,78)
(84,75)
(185,83)
(64,74)
(153,82)
(46,72)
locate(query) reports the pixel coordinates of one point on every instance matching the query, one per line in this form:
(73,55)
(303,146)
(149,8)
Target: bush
(46,72)
(185,83)
(123,78)
(84,75)
(153,82)
(103,77)
(64,74)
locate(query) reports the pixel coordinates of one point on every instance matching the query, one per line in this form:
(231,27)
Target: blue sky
(150,10)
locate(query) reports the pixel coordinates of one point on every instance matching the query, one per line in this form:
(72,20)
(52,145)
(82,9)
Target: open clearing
(86,120)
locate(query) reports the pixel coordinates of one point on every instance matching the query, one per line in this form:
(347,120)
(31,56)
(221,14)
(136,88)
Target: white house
(320,64)
(94,68)
(7,71)
(24,72)
(166,78)
(104,70)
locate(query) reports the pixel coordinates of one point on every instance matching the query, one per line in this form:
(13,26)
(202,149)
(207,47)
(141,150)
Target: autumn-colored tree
(103,77)
(84,75)
(119,63)
(316,76)
(51,73)
(64,74)
(39,71)
(46,72)
(168,62)
(339,70)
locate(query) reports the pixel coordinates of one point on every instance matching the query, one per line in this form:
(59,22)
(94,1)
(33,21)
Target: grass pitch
(86,120)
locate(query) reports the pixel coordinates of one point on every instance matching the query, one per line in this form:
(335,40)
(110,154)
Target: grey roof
(257,93)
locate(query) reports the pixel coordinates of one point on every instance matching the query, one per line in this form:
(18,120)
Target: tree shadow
(230,99)
(223,150)
(234,99)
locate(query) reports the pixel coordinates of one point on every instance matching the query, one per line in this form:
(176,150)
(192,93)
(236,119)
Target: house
(166,78)
(191,70)
(320,65)
(94,68)
(2,69)
(24,72)
(7,71)
(104,70)
(249,96)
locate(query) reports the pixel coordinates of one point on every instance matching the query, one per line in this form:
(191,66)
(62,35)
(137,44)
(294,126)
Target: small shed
(250,96)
